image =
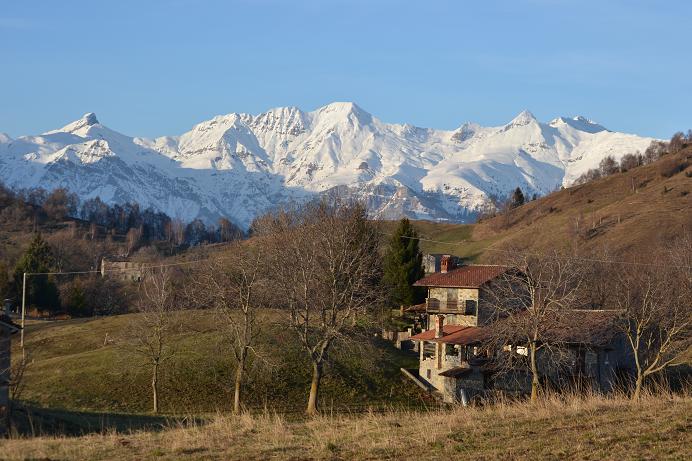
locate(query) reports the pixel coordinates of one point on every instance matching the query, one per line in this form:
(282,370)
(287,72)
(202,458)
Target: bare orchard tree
(235,286)
(530,300)
(151,332)
(656,303)
(326,265)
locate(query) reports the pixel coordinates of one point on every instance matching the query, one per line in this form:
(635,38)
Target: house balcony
(435,306)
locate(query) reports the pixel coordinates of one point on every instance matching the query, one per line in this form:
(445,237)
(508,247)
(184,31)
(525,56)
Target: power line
(133,269)
(498,250)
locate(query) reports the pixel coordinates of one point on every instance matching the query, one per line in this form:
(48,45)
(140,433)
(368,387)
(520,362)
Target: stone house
(122,270)
(7,329)
(455,363)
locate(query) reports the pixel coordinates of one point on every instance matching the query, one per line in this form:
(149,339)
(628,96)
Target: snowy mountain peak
(280,120)
(90,118)
(338,111)
(578,123)
(465,132)
(524,118)
(87,120)
(240,165)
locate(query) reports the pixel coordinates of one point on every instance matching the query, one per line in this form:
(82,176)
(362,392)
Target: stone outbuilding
(122,269)
(7,329)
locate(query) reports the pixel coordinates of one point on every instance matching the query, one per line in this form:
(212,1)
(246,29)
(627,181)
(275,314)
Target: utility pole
(21,333)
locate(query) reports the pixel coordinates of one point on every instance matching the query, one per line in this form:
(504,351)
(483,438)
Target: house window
(452,298)
(471,307)
(429,374)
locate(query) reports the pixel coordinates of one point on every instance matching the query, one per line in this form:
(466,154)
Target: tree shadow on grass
(29,421)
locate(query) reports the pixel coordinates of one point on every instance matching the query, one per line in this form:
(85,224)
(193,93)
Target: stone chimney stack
(446,263)
(439,323)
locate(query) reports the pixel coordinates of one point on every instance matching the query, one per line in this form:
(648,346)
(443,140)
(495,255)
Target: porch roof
(6,320)
(453,334)
(456,372)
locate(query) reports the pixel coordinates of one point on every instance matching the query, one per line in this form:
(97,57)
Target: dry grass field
(624,214)
(594,428)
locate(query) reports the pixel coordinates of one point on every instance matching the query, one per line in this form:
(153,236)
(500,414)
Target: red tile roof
(430,334)
(466,336)
(463,277)
(453,334)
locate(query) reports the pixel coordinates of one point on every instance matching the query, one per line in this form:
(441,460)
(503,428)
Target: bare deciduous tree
(529,302)
(235,286)
(326,267)
(151,332)
(133,238)
(656,304)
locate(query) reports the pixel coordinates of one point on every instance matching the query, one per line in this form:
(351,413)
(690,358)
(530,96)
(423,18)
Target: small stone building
(122,270)
(7,329)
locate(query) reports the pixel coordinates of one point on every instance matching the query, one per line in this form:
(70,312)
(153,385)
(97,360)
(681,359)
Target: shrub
(629,161)
(656,150)
(590,175)
(608,166)
(671,166)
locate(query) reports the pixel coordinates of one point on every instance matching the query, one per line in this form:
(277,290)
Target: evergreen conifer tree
(517,198)
(40,289)
(403,265)
(76,303)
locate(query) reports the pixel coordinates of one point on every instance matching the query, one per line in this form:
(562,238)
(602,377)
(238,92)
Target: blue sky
(150,68)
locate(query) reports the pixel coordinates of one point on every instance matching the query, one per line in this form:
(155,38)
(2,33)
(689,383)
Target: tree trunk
(155,387)
(534,373)
(236,392)
(314,388)
(638,387)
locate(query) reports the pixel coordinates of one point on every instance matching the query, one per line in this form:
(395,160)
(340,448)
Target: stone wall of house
(615,362)
(431,367)
(463,294)
(4,379)
(471,384)
(122,270)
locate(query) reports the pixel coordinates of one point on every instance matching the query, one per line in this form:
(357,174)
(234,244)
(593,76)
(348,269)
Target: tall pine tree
(517,198)
(403,265)
(40,289)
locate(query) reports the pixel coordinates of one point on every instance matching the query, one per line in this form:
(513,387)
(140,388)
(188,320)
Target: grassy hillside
(594,428)
(625,213)
(83,364)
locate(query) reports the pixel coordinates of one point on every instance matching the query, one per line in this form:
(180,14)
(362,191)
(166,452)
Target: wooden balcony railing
(455,307)
(435,305)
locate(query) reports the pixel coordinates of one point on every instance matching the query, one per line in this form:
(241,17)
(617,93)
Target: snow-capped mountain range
(241,165)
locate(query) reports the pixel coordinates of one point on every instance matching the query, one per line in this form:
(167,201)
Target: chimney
(446,263)
(439,323)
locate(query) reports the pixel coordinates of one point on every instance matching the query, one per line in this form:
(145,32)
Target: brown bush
(671,166)
(629,161)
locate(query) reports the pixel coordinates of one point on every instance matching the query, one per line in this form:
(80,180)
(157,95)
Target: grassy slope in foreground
(81,365)
(592,428)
